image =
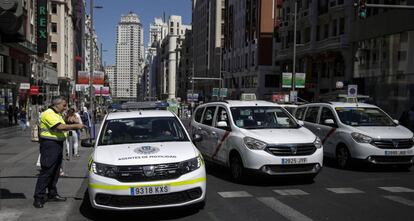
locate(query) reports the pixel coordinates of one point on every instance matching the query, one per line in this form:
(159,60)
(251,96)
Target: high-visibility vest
(48,120)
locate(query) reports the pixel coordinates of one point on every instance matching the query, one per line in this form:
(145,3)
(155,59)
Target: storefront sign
(34,90)
(42,34)
(24,86)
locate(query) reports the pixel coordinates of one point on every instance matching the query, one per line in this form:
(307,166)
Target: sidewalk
(18,176)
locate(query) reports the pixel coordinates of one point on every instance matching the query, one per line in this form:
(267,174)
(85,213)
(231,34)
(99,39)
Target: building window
(334,28)
(342,26)
(326,31)
(271,81)
(54,8)
(318,33)
(54,47)
(3,64)
(54,27)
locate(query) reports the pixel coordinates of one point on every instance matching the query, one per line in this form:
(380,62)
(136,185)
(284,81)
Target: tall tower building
(129,57)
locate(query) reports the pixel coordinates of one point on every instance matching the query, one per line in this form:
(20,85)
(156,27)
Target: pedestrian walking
(22,119)
(407,119)
(72,143)
(52,135)
(10,114)
(15,115)
(86,120)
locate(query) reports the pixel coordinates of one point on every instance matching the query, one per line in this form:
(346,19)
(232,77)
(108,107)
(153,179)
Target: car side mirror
(329,122)
(223,125)
(301,123)
(197,138)
(88,143)
(396,122)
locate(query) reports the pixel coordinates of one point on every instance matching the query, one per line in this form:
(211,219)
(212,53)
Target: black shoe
(38,204)
(56,198)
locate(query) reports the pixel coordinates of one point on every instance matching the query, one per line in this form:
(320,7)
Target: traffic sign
(352,90)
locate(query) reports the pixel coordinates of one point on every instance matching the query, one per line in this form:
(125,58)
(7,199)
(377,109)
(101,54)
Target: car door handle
(318,128)
(214,133)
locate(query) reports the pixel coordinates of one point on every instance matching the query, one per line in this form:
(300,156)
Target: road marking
(344,190)
(290,192)
(283,209)
(396,189)
(9,215)
(399,199)
(234,194)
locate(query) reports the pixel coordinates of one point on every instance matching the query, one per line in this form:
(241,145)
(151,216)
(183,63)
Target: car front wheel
(236,168)
(343,157)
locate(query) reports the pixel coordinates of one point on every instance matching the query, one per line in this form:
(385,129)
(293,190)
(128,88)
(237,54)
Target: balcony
(25,46)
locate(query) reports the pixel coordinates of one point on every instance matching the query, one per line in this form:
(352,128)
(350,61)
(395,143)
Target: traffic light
(356,3)
(362,10)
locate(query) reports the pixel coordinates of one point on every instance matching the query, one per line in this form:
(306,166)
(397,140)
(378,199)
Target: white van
(358,131)
(256,135)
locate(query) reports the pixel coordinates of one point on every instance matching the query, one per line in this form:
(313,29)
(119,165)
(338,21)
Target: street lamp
(91,7)
(294,47)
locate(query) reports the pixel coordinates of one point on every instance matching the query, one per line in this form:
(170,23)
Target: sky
(107,18)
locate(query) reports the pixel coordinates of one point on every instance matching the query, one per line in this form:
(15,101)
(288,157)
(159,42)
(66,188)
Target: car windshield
(262,118)
(357,116)
(142,130)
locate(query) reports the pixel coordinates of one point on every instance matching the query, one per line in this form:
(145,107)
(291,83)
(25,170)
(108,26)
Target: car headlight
(361,138)
(190,165)
(104,170)
(317,143)
(254,144)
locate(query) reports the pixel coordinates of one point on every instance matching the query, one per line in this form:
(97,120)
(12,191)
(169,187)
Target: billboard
(98,77)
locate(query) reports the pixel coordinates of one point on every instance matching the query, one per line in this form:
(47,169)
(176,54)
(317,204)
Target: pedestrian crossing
(298,192)
(281,200)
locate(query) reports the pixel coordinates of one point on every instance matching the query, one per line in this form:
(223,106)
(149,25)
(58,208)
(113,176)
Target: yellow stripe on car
(179,183)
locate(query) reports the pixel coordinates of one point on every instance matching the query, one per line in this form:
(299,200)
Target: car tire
(343,157)
(236,168)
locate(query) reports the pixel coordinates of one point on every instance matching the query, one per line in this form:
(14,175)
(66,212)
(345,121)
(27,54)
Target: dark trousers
(51,161)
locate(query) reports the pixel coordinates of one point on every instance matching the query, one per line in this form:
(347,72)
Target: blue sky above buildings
(107,18)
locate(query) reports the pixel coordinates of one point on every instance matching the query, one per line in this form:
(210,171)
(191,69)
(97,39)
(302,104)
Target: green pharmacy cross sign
(42,14)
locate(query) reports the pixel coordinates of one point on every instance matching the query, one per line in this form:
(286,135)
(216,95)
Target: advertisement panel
(286,80)
(83,77)
(300,80)
(98,77)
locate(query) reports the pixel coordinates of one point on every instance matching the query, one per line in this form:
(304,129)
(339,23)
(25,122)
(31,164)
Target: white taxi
(145,159)
(358,131)
(256,136)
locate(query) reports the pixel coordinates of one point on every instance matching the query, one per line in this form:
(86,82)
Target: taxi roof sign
(148,105)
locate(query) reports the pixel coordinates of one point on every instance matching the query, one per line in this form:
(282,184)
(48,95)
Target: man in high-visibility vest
(52,136)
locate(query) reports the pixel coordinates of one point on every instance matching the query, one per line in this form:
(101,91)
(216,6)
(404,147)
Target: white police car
(256,136)
(145,159)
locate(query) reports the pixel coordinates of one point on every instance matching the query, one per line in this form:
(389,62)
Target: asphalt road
(361,193)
